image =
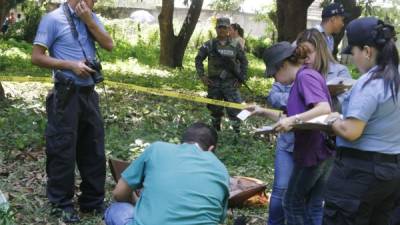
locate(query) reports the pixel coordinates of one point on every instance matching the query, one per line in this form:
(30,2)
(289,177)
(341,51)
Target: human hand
(84,12)
(206,81)
(332,117)
(285,124)
(255,110)
(81,69)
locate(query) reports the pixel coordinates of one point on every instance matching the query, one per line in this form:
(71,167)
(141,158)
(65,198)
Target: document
(268,129)
(243,115)
(317,123)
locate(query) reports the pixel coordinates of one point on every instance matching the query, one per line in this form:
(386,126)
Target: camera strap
(74,31)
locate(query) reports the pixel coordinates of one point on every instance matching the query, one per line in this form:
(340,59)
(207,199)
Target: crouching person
(180,184)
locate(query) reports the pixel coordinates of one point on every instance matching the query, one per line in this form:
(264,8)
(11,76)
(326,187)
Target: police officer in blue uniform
(365,180)
(75,131)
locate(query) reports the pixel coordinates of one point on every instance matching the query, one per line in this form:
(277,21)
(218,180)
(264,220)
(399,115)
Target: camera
(95,64)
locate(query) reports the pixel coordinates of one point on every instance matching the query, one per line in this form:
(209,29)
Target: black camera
(95,65)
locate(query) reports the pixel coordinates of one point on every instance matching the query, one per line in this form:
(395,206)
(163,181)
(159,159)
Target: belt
(80,89)
(344,152)
(85,89)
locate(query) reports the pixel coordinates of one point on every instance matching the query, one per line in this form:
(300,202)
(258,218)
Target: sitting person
(180,184)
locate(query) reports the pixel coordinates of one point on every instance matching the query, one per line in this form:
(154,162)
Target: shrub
(26,29)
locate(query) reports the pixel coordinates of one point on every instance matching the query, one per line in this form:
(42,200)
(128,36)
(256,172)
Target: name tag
(226,52)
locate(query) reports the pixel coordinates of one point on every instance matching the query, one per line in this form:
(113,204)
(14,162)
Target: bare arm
(319,109)
(350,129)
(122,192)
(102,37)
(274,115)
(40,58)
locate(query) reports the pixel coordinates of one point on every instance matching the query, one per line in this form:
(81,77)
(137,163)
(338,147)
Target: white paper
(243,114)
(265,129)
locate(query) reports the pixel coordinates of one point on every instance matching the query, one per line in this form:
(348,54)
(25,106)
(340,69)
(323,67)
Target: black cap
(367,31)
(275,55)
(334,9)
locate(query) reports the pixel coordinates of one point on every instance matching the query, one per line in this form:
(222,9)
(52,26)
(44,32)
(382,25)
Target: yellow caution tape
(186,96)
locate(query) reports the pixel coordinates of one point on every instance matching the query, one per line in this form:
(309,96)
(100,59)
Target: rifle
(230,64)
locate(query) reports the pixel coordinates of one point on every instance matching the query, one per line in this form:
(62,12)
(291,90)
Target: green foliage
(15,58)
(226,5)
(265,14)
(26,29)
(388,13)
(7,217)
(21,128)
(257,45)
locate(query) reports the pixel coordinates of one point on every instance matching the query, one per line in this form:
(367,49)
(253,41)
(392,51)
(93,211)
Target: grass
(132,121)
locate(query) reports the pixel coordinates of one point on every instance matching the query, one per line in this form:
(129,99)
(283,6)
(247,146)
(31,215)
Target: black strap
(74,31)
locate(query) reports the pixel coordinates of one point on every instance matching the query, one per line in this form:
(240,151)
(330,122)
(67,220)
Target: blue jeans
(303,202)
(283,170)
(119,213)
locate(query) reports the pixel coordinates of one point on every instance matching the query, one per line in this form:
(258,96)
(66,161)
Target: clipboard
(317,123)
(338,84)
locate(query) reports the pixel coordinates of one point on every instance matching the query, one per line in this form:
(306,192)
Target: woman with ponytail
(309,97)
(365,179)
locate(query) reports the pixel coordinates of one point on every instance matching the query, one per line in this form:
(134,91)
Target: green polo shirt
(181,185)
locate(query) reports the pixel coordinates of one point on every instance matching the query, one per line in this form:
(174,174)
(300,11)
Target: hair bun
(302,51)
(384,33)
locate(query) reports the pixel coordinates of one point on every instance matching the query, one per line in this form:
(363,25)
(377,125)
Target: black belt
(80,89)
(343,152)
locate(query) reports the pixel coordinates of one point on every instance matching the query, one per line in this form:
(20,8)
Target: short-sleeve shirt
(337,70)
(373,104)
(182,185)
(309,89)
(54,33)
(330,42)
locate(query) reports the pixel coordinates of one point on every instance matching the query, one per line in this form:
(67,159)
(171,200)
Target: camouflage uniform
(222,77)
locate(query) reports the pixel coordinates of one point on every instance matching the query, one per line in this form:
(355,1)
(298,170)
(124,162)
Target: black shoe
(67,215)
(95,211)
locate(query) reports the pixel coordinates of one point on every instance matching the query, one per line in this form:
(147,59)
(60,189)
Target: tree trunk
(5,7)
(292,18)
(354,11)
(2,94)
(172,47)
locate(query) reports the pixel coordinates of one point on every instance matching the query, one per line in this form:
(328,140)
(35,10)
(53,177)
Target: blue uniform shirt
(277,98)
(376,108)
(54,33)
(182,185)
(328,38)
(336,70)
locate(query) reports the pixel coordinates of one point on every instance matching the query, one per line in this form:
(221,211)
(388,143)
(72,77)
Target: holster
(63,89)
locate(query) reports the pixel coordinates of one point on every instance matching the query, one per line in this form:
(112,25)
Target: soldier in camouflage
(227,69)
